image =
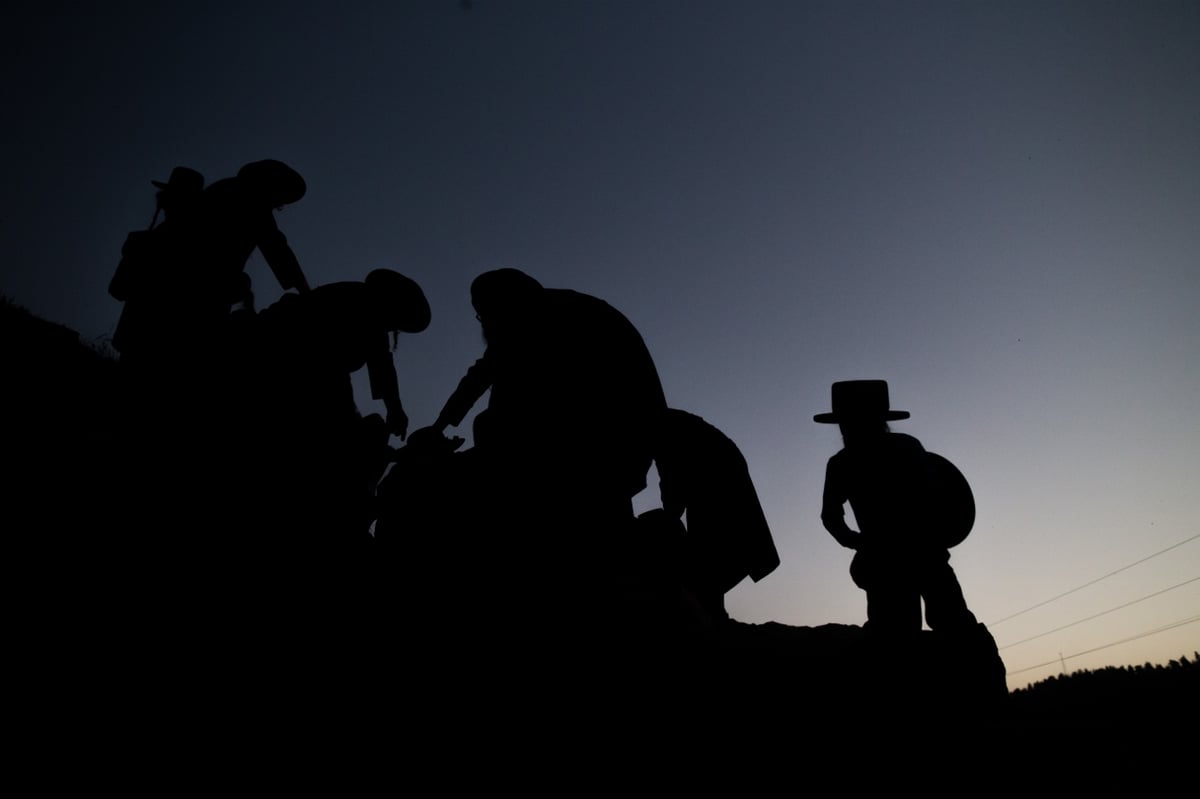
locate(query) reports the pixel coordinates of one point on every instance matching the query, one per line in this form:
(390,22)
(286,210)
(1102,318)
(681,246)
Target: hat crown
(861,398)
(183,180)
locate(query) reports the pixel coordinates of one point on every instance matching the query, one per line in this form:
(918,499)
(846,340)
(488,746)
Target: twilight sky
(993,205)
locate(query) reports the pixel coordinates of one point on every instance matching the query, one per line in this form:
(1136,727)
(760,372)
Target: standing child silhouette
(890,482)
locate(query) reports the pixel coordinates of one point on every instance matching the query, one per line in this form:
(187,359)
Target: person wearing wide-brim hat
(314,455)
(237,217)
(145,276)
(886,478)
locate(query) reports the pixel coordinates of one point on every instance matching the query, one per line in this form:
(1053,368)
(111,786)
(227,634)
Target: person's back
(232,222)
(574,393)
(598,384)
(326,326)
(311,343)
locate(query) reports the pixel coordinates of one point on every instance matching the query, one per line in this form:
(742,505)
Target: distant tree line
(1114,692)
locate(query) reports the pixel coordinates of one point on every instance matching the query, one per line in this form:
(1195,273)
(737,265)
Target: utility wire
(1170,626)
(1093,582)
(1101,613)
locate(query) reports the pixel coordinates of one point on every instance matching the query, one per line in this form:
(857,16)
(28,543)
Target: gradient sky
(993,205)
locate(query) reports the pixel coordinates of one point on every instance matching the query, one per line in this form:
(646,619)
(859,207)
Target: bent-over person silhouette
(566,440)
(305,347)
(236,217)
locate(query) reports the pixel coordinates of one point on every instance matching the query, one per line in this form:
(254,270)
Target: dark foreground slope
(121,651)
(95,609)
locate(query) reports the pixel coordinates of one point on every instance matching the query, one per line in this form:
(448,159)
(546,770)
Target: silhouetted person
(308,346)
(150,275)
(703,473)
(157,384)
(322,337)
(561,363)
(891,485)
(179,339)
(187,282)
(296,484)
(567,437)
(237,217)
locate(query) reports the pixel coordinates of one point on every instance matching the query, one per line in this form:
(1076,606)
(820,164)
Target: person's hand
(397,422)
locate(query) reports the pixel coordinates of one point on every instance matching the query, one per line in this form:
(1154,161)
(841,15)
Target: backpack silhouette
(955,502)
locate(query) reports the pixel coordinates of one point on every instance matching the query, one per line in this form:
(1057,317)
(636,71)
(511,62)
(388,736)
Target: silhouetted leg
(893,607)
(945,606)
(893,596)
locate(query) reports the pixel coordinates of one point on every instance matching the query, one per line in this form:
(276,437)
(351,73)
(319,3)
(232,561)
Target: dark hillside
(83,591)
(59,404)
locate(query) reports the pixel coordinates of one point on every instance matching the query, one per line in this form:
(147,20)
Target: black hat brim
(833,418)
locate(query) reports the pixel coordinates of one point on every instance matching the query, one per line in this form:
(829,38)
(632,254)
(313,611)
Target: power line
(1101,613)
(1093,582)
(1163,629)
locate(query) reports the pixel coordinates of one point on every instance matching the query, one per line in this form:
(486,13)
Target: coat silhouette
(703,473)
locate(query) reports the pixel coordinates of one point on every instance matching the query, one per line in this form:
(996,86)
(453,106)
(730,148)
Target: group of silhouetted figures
(248,463)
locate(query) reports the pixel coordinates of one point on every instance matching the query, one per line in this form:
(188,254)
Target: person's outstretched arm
(473,385)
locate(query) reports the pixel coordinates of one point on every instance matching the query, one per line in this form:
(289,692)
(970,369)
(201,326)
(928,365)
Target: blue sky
(994,206)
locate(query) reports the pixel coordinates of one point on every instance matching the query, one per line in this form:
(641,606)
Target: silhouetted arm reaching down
(279,256)
(384,386)
(473,385)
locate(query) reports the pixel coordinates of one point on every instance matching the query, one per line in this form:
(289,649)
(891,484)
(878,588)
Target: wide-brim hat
(276,179)
(183,180)
(858,401)
(399,299)
(505,288)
